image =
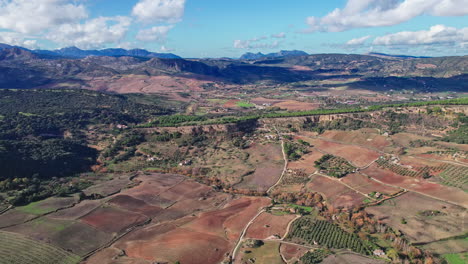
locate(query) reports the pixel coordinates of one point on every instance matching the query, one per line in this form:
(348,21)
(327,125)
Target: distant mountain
(384,55)
(74,52)
(112,68)
(280,54)
(5,46)
(16,54)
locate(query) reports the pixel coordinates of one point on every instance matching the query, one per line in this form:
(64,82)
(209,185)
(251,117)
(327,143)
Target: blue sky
(220,28)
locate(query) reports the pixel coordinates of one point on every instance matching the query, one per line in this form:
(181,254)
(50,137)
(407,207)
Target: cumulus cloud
(438,34)
(67,22)
(34,16)
(94,33)
(16,39)
(158,33)
(378,13)
(157,11)
(357,41)
(279,35)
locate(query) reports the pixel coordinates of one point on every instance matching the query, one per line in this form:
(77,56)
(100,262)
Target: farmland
(237,179)
(324,233)
(19,249)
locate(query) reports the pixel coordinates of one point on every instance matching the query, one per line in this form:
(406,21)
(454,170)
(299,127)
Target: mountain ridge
(76,53)
(279,54)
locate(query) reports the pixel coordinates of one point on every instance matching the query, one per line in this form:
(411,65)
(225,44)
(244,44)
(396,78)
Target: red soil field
(269,164)
(365,137)
(231,104)
(236,223)
(419,185)
(182,245)
(267,225)
(359,156)
(135,205)
(420,228)
(366,185)
(231,219)
(77,211)
(112,220)
(261,101)
(306,162)
(185,190)
(205,238)
(335,193)
(292,253)
(151,186)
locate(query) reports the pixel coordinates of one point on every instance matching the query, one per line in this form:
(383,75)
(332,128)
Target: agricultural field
(456,258)
(369,137)
(321,232)
(202,179)
(357,155)
(19,249)
(191,239)
(268,225)
(351,259)
(292,253)
(335,193)
(426,187)
(422,219)
(334,166)
(266,253)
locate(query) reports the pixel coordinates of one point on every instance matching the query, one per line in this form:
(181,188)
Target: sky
(228,28)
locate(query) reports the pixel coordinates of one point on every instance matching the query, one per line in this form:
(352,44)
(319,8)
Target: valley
(305,159)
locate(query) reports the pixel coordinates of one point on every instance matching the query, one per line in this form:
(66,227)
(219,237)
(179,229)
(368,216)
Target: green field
(245,104)
(34,208)
(305,208)
(460,258)
(17,249)
(267,253)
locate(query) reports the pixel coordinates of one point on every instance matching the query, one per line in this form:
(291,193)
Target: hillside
(24,69)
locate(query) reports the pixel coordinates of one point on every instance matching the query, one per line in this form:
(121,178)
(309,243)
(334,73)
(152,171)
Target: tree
(393,254)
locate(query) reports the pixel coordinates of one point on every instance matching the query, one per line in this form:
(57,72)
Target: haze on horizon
(214,28)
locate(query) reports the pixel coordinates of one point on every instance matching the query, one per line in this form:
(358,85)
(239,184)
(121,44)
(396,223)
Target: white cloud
(279,35)
(158,33)
(166,49)
(249,44)
(17,39)
(438,34)
(259,38)
(157,11)
(451,8)
(378,13)
(94,33)
(241,44)
(260,42)
(34,16)
(357,41)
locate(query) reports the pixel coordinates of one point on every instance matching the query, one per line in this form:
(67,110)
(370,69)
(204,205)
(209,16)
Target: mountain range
(23,68)
(74,52)
(280,54)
